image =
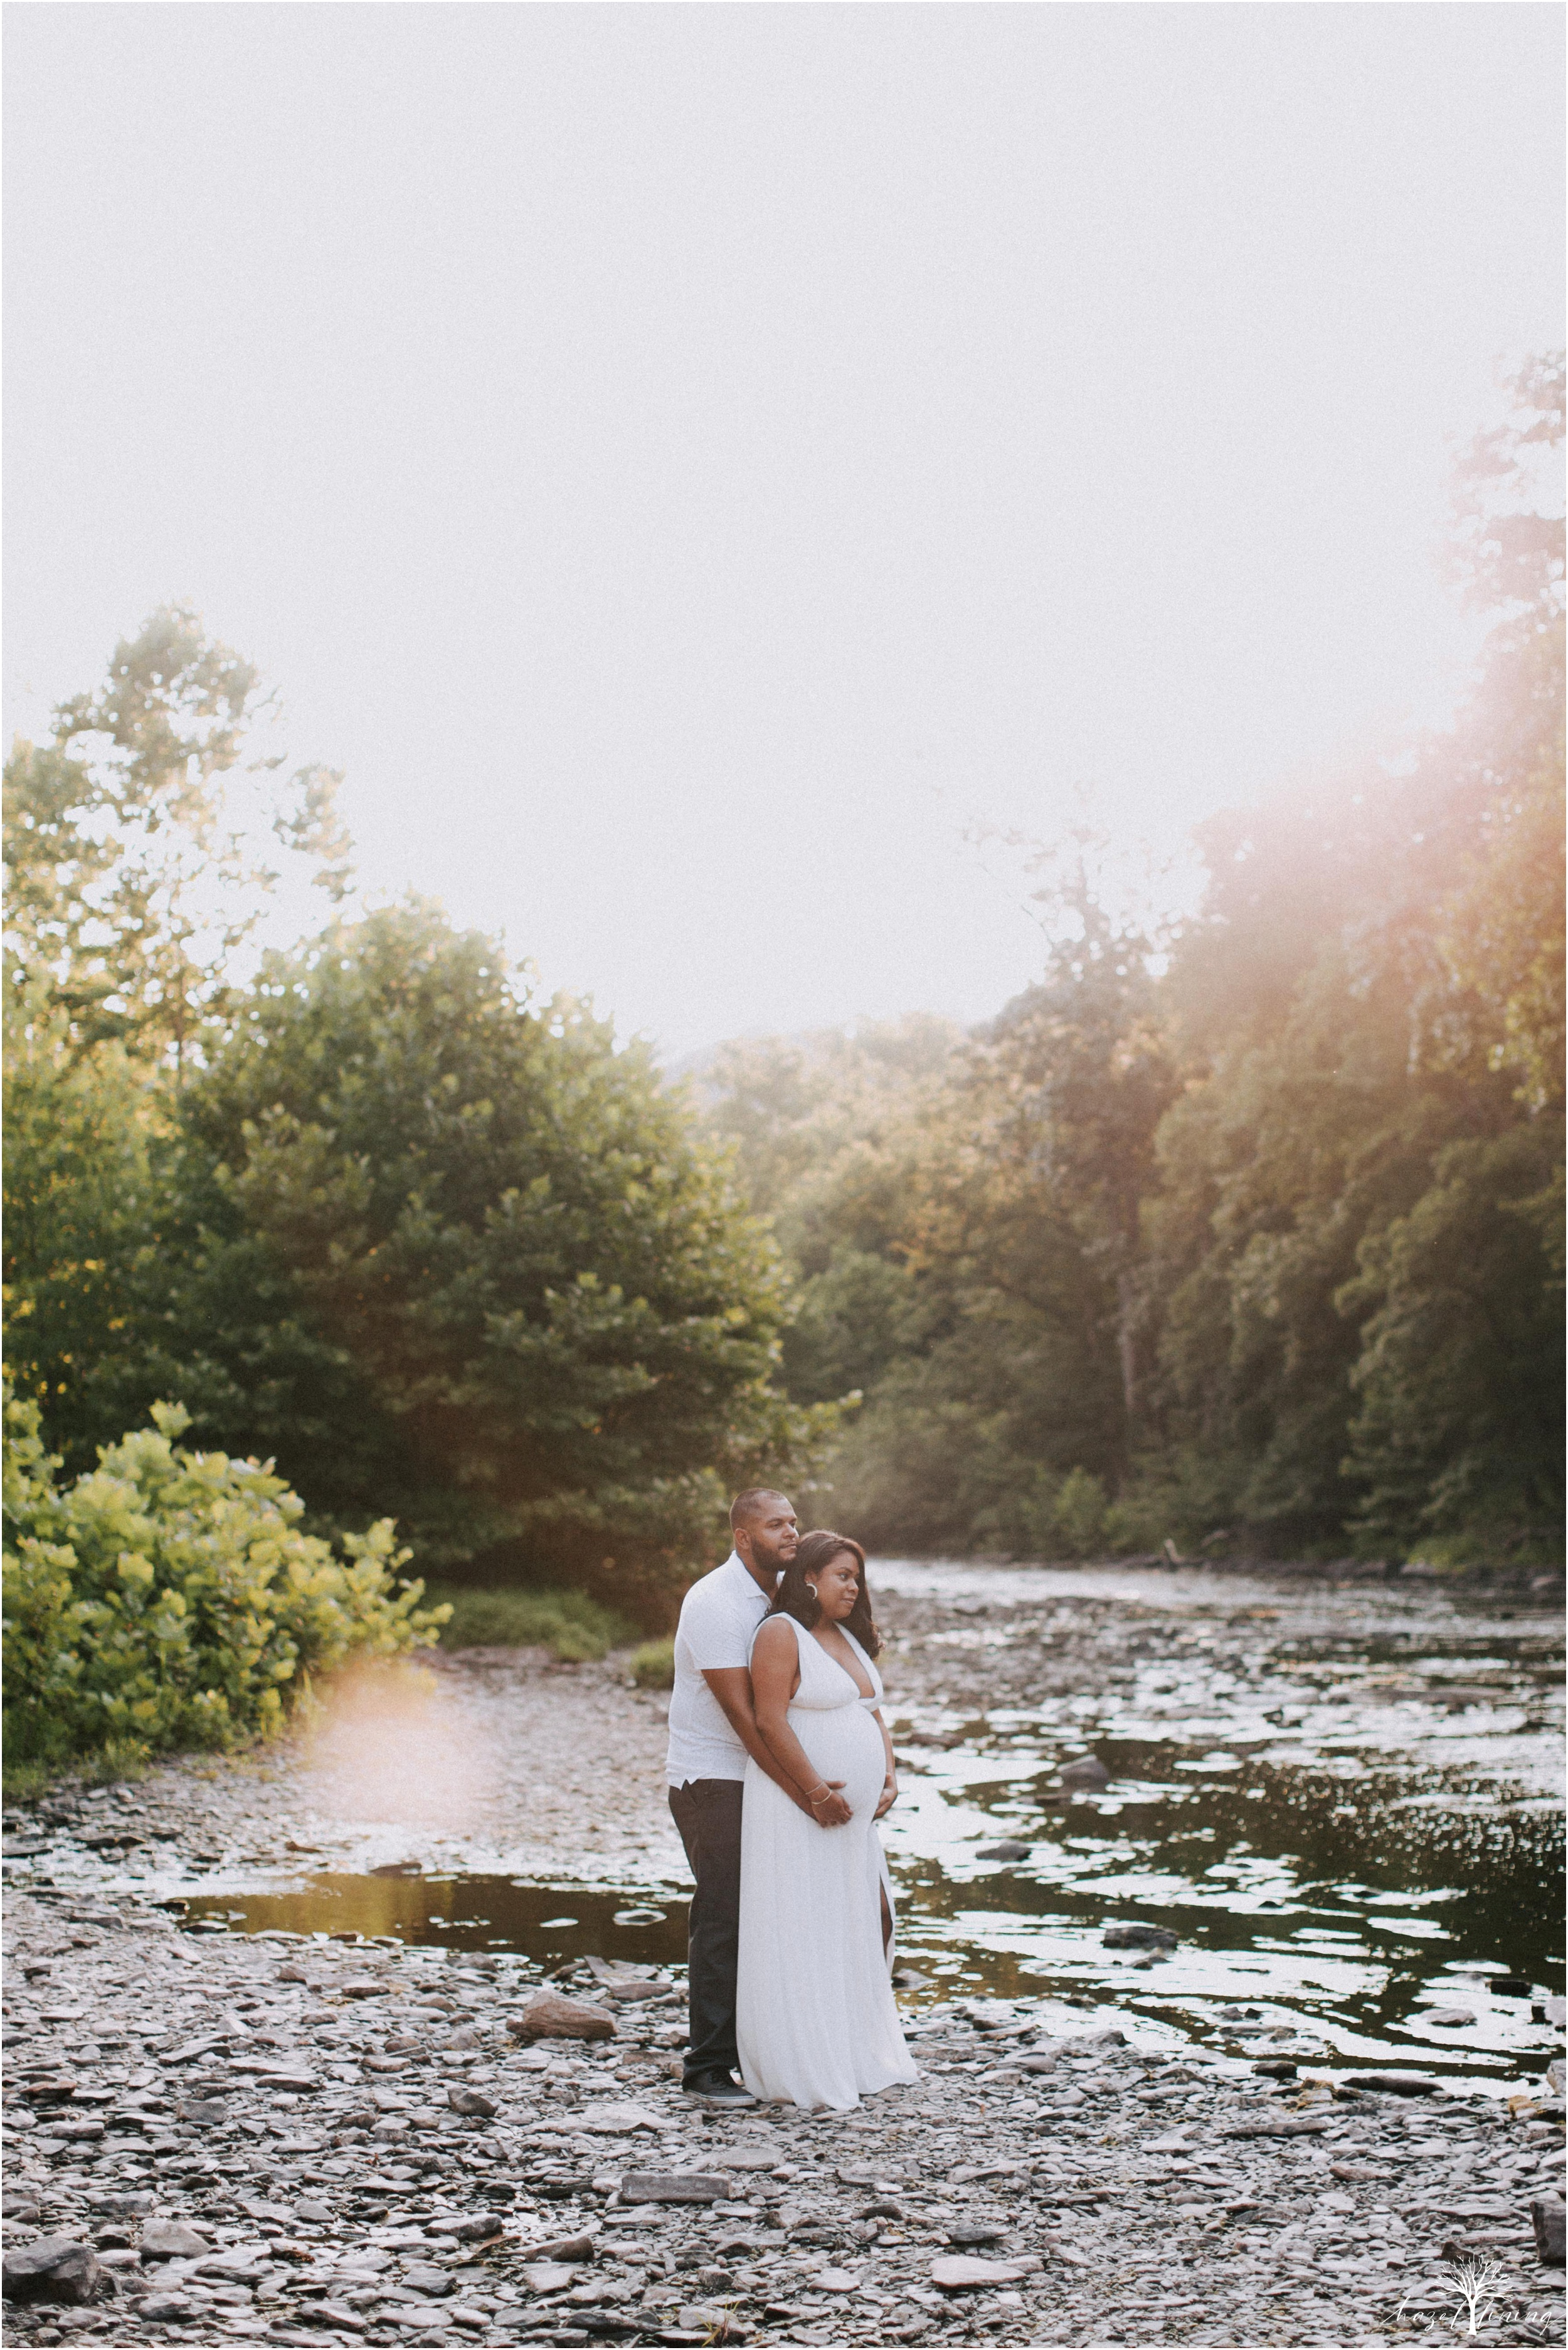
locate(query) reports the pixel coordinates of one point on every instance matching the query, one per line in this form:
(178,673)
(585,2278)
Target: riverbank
(1114,2138)
(356,2149)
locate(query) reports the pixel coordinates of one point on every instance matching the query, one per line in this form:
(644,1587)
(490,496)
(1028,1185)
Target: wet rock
(1139,1938)
(1548,2217)
(1006,1850)
(549,2015)
(53,2268)
(1084,1771)
(1448,2019)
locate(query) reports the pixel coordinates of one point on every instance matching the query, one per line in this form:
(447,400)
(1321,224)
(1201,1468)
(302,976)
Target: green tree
(1276,1165)
(1218,1235)
(827,1132)
(452,1257)
(134,868)
(1370,1001)
(135,875)
(1460,1373)
(79,1209)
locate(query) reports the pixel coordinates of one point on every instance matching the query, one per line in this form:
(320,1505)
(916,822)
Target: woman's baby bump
(844,1743)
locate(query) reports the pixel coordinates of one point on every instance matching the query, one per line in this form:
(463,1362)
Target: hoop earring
(812,1589)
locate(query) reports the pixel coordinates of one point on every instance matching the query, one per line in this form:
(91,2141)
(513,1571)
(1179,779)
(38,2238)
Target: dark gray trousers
(708,1813)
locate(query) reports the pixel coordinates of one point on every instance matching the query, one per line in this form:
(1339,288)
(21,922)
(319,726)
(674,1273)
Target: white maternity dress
(815,2020)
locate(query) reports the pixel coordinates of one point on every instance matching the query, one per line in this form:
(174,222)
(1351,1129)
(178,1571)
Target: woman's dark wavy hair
(793,1599)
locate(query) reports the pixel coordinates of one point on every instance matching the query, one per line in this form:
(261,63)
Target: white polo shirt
(719,1619)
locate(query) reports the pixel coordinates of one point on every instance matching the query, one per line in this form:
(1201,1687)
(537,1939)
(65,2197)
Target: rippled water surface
(1345,1803)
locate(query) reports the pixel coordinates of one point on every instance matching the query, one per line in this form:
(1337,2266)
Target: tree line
(367,1207)
(1244,1231)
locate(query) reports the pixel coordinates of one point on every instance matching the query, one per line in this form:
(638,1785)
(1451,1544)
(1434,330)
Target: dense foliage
(450,1258)
(362,1208)
(168,1597)
(1247,1233)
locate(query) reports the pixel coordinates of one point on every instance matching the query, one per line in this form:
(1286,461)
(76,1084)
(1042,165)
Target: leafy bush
(654,1665)
(569,1623)
(168,1598)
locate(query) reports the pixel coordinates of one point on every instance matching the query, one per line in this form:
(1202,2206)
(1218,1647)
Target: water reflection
(1344,1802)
(548,1923)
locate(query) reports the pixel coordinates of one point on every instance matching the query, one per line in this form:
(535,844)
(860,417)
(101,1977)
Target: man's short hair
(748,1505)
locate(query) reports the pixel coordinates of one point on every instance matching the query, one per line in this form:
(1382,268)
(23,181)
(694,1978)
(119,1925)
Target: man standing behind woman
(713,1732)
(809,1930)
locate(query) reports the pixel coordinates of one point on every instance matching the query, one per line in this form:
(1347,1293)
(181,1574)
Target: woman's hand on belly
(846,1749)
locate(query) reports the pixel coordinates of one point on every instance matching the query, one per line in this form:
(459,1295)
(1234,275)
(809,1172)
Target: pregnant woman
(815,2015)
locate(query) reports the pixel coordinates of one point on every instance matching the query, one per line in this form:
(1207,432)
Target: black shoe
(717,2089)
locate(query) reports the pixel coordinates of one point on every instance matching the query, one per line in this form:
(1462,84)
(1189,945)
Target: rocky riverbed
(286,2138)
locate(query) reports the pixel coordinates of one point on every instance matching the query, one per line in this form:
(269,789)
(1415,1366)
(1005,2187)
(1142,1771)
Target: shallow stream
(1345,1801)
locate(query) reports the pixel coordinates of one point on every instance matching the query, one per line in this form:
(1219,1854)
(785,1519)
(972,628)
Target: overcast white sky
(689,462)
